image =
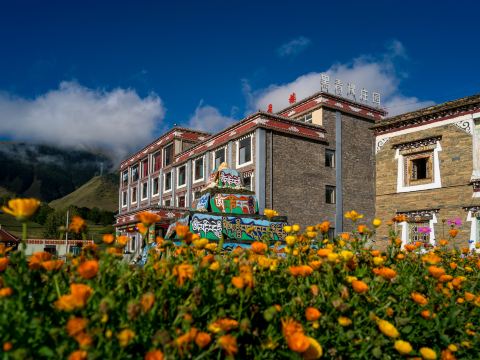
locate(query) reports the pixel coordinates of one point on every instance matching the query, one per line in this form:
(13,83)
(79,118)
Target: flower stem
(24,236)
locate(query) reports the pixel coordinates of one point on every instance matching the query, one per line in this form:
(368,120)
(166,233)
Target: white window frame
(431,224)
(304,118)
(178,199)
(474,231)
(252,181)
(332,151)
(131,195)
(437,180)
(138,172)
(165,200)
(193,169)
(165,182)
(142,167)
(124,199)
(193,195)
(144,195)
(224,148)
(158,186)
(121,178)
(178,176)
(164,158)
(238,165)
(153,161)
(334,194)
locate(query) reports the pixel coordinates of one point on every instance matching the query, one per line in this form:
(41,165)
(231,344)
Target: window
(330,194)
(144,190)
(196,195)
(418,164)
(125,178)
(307,118)
(419,231)
(168,155)
(75,250)
(167,186)
(218,157)
(134,195)
(244,151)
(135,172)
(155,186)
(124,198)
(156,161)
(52,249)
(247,182)
(145,168)
(329,158)
(181,178)
(181,201)
(167,202)
(198,169)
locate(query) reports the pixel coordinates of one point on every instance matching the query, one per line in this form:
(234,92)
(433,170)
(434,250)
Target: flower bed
(318,297)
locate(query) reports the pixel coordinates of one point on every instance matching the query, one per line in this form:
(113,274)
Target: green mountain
(46,172)
(100,192)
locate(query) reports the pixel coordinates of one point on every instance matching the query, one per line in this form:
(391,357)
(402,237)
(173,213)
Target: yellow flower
(332,257)
(269,213)
(290,240)
(353,215)
(387,328)
(346,255)
(377,260)
(125,337)
(148,218)
(376,222)
(453,347)
(296,227)
(428,354)
(200,243)
(344,321)
(214,266)
(22,209)
(403,347)
(287,229)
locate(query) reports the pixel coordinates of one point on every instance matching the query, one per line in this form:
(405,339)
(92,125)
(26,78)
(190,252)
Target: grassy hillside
(9,223)
(100,192)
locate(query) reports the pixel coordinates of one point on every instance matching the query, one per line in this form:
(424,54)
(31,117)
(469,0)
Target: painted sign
(207,226)
(202,204)
(229,178)
(234,204)
(251,229)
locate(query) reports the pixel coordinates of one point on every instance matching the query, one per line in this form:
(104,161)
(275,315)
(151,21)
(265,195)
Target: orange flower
(453,265)
(443,242)
(229,344)
(7,346)
(147,301)
(181,230)
(426,314)
(302,270)
(453,232)
(203,339)
(431,258)
(183,272)
(419,298)
(36,260)
(142,229)
(77,224)
(76,300)
(224,324)
(51,265)
(125,336)
(3,263)
(353,215)
(445,278)
(399,218)
(148,218)
(312,314)
(154,355)
(290,327)
(84,340)
(108,238)
(385,272)
(410,247)
(259,247)
(122,240)
(469,296)
(324,252)
(324,227)
(359,286)
(375,253)
(238,282)
(345,236)
(88,269)
(298,342)
(78,355)
(362,229)
(22,209)
(4,292)
(436,271)
(76,325)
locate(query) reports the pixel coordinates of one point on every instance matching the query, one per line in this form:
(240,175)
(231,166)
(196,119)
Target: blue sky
(112,66)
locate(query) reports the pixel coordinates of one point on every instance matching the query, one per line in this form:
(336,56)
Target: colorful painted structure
(227,211)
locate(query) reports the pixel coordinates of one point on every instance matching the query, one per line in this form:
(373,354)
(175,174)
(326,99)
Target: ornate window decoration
(473,216)
(418,164)
(419,227)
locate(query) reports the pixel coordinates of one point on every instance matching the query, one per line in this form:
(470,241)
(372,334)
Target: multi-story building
(428,168)
(311,161)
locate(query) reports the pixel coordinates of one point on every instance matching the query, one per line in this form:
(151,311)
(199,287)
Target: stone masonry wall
(455,193)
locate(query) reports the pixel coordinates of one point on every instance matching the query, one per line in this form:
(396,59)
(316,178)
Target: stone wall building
(311,161)
(428,168)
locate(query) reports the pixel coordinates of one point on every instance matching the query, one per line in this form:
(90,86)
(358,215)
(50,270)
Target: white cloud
(117,121)
(208,118)
(373,73)
(293,47)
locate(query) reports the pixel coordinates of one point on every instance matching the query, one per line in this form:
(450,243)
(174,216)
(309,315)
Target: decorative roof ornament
(270,108)
(293,98)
